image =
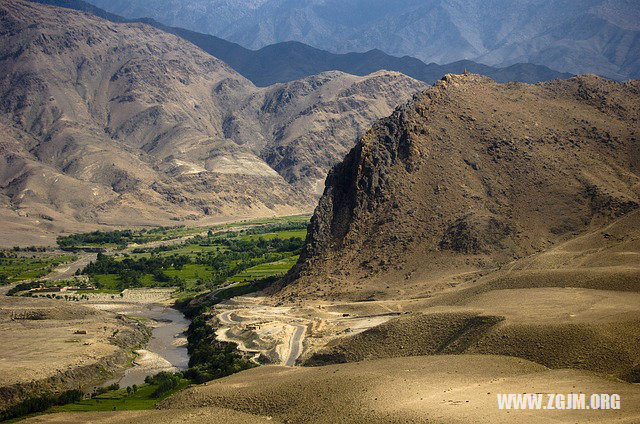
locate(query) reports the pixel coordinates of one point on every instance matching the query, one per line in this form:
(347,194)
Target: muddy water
(167,347)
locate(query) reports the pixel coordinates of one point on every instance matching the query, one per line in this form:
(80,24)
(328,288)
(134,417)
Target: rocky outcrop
(469,175)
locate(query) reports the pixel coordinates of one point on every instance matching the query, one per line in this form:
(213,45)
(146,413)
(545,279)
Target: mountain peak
(471,174)
(114,113)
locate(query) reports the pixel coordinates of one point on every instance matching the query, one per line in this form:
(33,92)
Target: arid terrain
(96,116)
(50,345)
(433,389)
(470,176)
(479,239)
(510,231)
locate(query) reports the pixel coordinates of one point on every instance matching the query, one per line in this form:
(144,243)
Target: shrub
(165,381)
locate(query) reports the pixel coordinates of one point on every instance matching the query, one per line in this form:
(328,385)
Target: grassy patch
(287,234)
(119,400)
(271,269)
(106,282)
(191,273)
(97,291)
(19,268)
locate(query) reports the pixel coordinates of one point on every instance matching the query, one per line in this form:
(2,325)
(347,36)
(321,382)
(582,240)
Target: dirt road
(295,345)
(280,336)
(69,270)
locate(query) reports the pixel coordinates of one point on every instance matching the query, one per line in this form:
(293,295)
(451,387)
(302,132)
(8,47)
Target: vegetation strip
(251,259)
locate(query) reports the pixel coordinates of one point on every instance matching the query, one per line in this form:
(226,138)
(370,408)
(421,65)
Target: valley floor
(563,321)
(433,389)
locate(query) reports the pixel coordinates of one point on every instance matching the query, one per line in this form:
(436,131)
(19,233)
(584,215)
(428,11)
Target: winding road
(292,343)
(295,345)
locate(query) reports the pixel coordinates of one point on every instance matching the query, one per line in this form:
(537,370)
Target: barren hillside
(50,345)
(122,124)
(469,176)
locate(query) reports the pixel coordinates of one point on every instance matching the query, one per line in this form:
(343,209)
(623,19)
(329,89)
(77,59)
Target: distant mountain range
(289,61)
(576,36)
(125,124)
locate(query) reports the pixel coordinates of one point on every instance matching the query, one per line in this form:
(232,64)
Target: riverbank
(50,346)
(166,350)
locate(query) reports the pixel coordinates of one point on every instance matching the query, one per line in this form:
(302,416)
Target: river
(167,347)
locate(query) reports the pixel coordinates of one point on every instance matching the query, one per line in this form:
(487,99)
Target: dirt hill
(52,346)
(468,176)
(123,124)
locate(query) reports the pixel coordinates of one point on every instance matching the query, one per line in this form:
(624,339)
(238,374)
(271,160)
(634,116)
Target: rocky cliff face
(470,175)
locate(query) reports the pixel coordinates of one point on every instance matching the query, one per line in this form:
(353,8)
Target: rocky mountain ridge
(123,124)
(577,36)
(289,61)
(468,176)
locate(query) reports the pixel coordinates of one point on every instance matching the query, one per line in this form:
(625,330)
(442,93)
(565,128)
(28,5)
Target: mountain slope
(123,124)
(468,176)
(289,61)
(594,36)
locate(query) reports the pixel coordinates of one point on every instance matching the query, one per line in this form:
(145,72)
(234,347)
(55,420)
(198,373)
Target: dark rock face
(473,235)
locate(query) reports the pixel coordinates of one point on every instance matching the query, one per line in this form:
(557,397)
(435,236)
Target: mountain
(575,36)
(289,61)
(123,124)
(468,177)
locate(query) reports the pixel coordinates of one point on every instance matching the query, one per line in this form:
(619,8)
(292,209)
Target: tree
(128,390)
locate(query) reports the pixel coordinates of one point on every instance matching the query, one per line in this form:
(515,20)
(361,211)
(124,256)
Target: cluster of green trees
(118,237)
(41,403)
(236,256)
(165,382)
(109,265)
(261,229)
(5,253)
(210,358)
(23,287)
(105,389)
(273,228)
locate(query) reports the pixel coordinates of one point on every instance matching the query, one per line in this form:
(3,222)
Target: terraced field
(215,256)
(14,267)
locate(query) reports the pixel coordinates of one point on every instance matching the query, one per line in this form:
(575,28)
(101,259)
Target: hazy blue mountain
(577,36)
(290,61)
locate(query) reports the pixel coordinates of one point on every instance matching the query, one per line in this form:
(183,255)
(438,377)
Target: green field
(292,218)
(246,251)
(20,268)
(121,239)
(276,234)
(119,400)
(270,269)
